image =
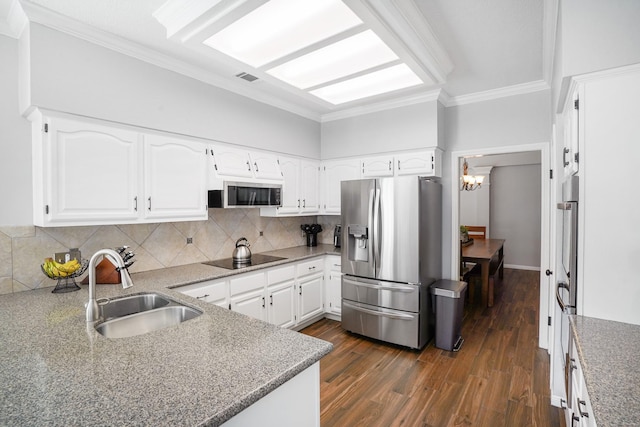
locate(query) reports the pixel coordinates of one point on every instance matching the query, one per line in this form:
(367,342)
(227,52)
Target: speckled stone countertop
(54,370)
(608,353)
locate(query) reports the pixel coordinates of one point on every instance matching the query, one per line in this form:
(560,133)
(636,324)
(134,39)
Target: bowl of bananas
(64,273)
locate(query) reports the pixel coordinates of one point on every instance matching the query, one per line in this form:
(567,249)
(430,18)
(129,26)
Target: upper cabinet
(237,164)
(88,173)
(571,140)
(333,173)
(425,163)
(300,189)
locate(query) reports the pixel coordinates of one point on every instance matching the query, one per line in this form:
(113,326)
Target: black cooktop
(256,259)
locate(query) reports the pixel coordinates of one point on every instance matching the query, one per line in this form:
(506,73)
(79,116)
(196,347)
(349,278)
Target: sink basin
(147,321)
(130,305)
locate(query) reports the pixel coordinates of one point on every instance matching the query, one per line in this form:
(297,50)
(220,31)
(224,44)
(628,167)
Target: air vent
(246,76)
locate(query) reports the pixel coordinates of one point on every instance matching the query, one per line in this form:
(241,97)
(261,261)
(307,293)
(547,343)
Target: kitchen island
(55,370)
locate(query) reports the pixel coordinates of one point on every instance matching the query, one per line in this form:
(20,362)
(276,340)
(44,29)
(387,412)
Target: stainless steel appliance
(391,253)
(567,286)
(245,195)
(231,264)
(337,236)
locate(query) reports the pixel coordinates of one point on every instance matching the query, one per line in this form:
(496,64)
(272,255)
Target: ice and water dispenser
(357,243)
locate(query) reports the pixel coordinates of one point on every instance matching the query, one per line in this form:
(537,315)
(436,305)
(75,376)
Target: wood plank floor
(499,377)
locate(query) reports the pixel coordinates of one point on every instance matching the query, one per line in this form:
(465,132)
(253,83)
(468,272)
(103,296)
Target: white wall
(15,143)
(72,75)
(597,35)
(515,213)
(404,128)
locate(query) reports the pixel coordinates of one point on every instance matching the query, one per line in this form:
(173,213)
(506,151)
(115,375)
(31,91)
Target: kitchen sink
(130,305)
(140,314)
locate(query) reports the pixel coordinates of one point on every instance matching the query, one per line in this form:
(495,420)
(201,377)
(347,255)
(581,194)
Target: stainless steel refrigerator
(391,253)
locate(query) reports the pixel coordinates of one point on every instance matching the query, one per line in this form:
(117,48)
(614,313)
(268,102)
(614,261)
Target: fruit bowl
(66,279)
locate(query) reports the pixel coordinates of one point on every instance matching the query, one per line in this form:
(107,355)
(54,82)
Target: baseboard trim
(522,267)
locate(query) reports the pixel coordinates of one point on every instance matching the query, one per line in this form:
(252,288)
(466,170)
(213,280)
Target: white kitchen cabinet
(310,282)
(333,173)
(231,163)
(378,166)
(571,140)
(175,177)
(84,172)
(211,291)
(425,163)
(265,165)
(247,295)
(281,301)
(88,172)
(300,188)
(579,410)
(333,285)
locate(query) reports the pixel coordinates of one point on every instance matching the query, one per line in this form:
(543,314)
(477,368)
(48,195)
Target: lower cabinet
(333,285)
(579,409)
(286,296)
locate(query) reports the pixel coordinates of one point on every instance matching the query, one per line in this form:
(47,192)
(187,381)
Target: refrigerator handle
(376,230)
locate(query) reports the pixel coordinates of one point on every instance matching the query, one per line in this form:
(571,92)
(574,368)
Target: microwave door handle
(561,285)
(371,236)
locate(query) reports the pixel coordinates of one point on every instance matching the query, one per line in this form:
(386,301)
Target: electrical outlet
(189,240)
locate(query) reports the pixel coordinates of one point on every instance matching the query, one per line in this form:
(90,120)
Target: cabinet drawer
(246,282)
(334,263)
(208,291)
(281,274)
(315,265)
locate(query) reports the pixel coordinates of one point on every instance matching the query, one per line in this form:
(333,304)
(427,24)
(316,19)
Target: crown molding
(383,105)
(488,95)
(121,45)
(13,20)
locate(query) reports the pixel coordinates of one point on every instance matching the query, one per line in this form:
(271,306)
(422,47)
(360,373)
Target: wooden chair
(477,231)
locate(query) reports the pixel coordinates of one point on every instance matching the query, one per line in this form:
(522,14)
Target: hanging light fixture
(470,182)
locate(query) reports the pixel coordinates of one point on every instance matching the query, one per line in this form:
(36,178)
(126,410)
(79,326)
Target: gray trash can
(448,305)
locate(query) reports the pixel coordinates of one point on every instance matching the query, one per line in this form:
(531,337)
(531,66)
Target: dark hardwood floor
(498,378)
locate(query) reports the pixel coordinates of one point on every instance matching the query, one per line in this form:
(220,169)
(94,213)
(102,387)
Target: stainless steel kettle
(242,253)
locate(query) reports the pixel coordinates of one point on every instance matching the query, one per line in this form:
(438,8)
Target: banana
(55,269)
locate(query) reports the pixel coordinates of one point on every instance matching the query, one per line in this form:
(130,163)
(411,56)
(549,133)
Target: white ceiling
(495,47)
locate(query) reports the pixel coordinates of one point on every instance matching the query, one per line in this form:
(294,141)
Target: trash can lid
(448,288)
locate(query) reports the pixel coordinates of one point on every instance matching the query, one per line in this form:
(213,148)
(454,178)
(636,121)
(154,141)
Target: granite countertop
(608,353)
(55,370)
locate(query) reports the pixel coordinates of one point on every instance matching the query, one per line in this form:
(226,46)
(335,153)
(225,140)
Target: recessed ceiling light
(281,27)
(386,80)
(346,57)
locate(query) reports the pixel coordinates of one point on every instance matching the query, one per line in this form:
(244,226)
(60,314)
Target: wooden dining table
(482,251)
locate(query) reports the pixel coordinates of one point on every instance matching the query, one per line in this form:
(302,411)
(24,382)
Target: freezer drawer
(398,296)
(392,326)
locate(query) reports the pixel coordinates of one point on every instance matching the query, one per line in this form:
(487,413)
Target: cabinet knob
(149,203)
(135,200)
(248,166)
(256,165)
(202,296)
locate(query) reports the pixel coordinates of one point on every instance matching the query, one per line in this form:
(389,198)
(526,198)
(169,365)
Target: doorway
(545,187)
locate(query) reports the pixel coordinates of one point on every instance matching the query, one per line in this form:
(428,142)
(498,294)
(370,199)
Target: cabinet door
(252,304)
(211,291)
(265,166)
(281,306)
(291,186)
(333,284)
(310,297)
(333,173)
(571,119)
(420,163)
(310,177)
(91,173)
(378,166)
(231,162)
(175,177)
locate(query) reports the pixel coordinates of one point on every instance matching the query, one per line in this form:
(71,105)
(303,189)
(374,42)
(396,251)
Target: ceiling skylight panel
(349,56)
(376,83)
(281,27)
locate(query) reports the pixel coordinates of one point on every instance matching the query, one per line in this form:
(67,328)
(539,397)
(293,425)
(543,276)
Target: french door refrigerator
(391,254)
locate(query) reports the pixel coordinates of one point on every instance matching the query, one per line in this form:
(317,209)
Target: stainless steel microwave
(246,195)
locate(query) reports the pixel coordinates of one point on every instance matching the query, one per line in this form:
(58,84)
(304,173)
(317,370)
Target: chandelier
(470,182)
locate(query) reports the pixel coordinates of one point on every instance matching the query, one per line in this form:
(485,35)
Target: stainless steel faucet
(93,313)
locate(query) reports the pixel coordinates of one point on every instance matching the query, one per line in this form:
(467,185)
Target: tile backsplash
(23,248)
